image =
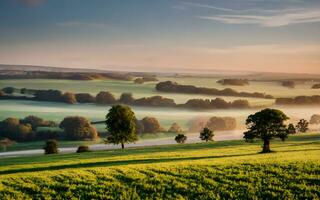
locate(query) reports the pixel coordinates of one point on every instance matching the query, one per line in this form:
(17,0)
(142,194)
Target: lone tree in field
(206,134)
(51,147)
(302,126)
(121,125)
(180,138)
(266,124)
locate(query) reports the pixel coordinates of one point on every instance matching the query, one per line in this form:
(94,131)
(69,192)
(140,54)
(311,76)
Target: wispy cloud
(258,15)
(81,24)
(276,20)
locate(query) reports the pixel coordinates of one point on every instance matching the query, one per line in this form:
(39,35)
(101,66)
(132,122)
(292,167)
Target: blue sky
(255,35)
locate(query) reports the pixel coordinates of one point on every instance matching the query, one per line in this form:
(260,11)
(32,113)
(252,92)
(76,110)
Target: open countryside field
(57,111)
(215,170)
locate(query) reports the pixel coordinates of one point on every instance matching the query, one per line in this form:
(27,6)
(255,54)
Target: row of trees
(33,128)
(107,98)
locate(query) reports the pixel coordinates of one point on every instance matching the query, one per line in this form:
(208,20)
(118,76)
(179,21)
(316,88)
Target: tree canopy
(266,124)
(78,128)
(206,134)
(121,125)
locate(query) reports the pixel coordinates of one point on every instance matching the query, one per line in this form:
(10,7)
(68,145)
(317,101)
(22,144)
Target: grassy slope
(62,143)
(229,169)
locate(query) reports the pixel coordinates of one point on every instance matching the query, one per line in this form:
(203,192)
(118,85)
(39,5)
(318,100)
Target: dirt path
(192,138)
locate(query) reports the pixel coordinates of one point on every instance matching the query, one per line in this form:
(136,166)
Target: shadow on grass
(116,163)
(130,162)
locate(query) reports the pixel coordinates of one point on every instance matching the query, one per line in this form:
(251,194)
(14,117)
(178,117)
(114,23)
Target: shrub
(9,90)
(150,125)
(69,97)
(180,138)
(85,98)
(315,119)
(83,148)
(105,98)
(126,98)
(78,128)
(34,121)
(175,128)
(51,147)
(222,123)
(13,130)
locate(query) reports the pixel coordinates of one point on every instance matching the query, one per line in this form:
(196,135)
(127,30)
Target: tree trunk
(266,146)
(122,146)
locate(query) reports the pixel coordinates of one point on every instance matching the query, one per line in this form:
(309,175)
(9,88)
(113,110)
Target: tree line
(107,98)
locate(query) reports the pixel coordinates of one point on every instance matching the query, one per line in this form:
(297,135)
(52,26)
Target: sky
(163,35)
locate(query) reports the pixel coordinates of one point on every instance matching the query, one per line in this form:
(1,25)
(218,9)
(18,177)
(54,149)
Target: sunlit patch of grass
(215,170)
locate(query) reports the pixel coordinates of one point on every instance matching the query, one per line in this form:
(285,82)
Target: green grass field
(217,170)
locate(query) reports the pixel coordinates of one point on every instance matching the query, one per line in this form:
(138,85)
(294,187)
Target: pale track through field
(192,138)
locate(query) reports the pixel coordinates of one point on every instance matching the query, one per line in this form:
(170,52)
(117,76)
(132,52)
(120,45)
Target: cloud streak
(259,16)
(277,20)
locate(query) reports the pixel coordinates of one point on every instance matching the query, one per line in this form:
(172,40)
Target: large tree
(266,124)
(121,125)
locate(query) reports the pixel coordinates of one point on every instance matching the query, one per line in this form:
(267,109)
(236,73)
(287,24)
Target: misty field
(217,170)
(56,111)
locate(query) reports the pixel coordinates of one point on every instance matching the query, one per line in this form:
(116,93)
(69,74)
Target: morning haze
(170,99)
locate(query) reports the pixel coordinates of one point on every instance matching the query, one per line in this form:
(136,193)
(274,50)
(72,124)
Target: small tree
(291,129)
(266,124)
(121,125)
(302,126)
(206,134)
(180,138)
(51,147)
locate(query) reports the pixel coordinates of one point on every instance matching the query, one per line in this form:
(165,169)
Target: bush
(222,123)
(180,138)
(126,98)
(85,98)
(105,98)
(83,148)
(13,130)
(9,90)
(34,121)
(150,125)
(69,97)
(78,128)
(51,147)
(175,128)
(315,119)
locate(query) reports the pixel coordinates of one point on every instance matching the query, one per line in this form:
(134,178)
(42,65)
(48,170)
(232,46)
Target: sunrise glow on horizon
(254,35)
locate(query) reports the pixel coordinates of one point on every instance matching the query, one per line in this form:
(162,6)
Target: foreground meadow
(217,170)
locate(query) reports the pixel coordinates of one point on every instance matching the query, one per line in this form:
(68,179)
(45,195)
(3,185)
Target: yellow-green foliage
(218,170)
